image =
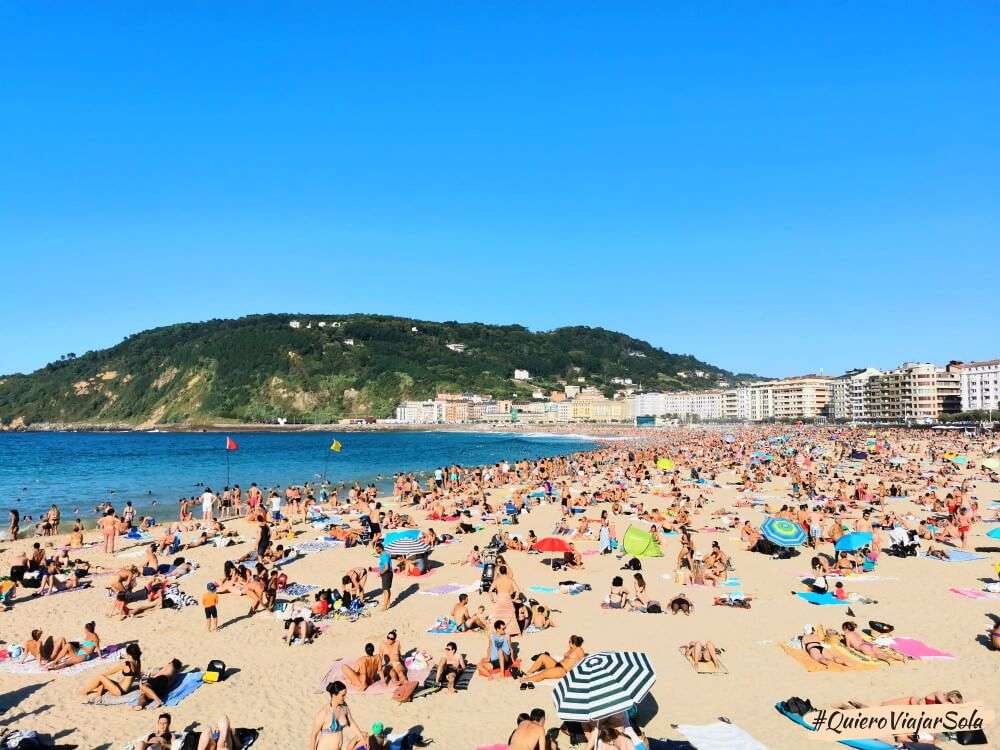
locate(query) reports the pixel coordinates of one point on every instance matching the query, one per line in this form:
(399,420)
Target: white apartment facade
(913,392)
(420,412)
(849,394)
(980,384)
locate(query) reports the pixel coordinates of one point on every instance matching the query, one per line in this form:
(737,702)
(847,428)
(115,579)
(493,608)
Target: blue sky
(773,187)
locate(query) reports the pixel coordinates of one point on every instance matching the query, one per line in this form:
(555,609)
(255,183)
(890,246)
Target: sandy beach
(278,688)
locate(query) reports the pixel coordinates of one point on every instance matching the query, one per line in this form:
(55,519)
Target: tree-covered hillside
(259,368)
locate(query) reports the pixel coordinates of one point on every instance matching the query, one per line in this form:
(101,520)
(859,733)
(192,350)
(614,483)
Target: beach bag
(880,627)
(404,693)
(654,608)
(971,737)
(215,671)
(632,564)
(796,705)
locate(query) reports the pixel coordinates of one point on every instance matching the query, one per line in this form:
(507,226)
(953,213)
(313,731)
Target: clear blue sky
(773,187)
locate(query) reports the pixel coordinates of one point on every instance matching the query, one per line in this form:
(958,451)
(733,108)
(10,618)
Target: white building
(294,324)
(700,404)
(420,412)
(849,395)
(980,384)
(456,347)
(522,375)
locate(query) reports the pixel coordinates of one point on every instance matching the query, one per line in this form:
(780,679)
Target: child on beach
(210,601)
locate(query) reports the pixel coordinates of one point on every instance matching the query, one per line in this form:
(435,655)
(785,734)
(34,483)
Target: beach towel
(917,649)
(430,684)
(867,744)
(955,555)
(993,533)
(544,589)
(418,666)
(443,626)
(108,655)
(974,593)
(719,736)
(317,545)
(190,682)
(810,665)
(821,599)
(450,589)
(297,590)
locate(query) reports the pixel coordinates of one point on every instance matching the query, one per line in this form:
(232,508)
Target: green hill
(258,368)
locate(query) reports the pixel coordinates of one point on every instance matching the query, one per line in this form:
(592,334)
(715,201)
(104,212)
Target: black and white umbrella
(604,684)
(407,547)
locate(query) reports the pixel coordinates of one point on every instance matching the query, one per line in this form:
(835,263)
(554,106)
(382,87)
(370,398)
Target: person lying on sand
(220,737)
(853,639)
(818,651)
(701,651)
(932,699)
(544,667)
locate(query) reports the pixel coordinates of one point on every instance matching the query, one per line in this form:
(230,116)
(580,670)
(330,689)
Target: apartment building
(979,384)
(913,392)
(848,397)
(420,412)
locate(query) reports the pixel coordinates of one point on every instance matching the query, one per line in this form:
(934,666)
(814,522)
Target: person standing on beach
(385,571)
(208,501)
(109,529)
(15,524)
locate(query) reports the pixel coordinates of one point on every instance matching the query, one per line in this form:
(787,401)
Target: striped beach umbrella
(604,684)
(783,532)
(407,547)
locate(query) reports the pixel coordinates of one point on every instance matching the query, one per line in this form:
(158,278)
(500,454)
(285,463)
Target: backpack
(632,564)
(796,705)
(654,608)
(215,671)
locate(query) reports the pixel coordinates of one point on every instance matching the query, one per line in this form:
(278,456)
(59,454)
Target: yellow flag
(335,446)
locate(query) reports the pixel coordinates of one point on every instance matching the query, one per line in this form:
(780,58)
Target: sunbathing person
(853,639)
(41,649)
(544,667)
(129,670)
(931,699)
(154,691)
(618,596)
(220,738)
(450,667)
(818,651)
(464,619)
(680,603)
(365,671)
(391,658)
(161,739)
(701,651)
(301,628)
(68,653)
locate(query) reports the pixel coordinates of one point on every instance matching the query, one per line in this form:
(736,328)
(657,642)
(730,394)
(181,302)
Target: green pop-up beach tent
(639,543)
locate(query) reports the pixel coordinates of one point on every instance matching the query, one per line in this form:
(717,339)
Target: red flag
(231,444)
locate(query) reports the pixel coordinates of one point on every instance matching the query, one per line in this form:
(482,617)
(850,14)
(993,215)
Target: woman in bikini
(819,651)
(544,667)
(129,670)
(639,598)
(618,596)
(68,653)
(365,671)
(853,639)
(334,721)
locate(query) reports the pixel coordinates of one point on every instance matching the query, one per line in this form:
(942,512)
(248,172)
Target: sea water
(76,471)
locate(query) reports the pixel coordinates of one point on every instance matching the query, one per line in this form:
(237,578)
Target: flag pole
(326,462)
(227,467)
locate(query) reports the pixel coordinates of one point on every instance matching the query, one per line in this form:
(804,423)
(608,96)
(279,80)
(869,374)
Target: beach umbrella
(960,460)
(993,533)
(854,540)
(730,438)
(992,463)
(783,532)
(551,544)
(664,463)
(397,534)
(604,684)
(407,547)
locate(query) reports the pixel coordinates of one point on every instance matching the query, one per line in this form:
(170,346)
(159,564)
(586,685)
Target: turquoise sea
(153,470)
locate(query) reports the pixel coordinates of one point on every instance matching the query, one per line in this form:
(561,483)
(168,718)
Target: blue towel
(821,599)
(993,533)
(188,684)
(544,589)
(858,744)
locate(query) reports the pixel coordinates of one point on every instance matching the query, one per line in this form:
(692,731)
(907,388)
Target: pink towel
(918,649)
(498,746)
(974,593)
